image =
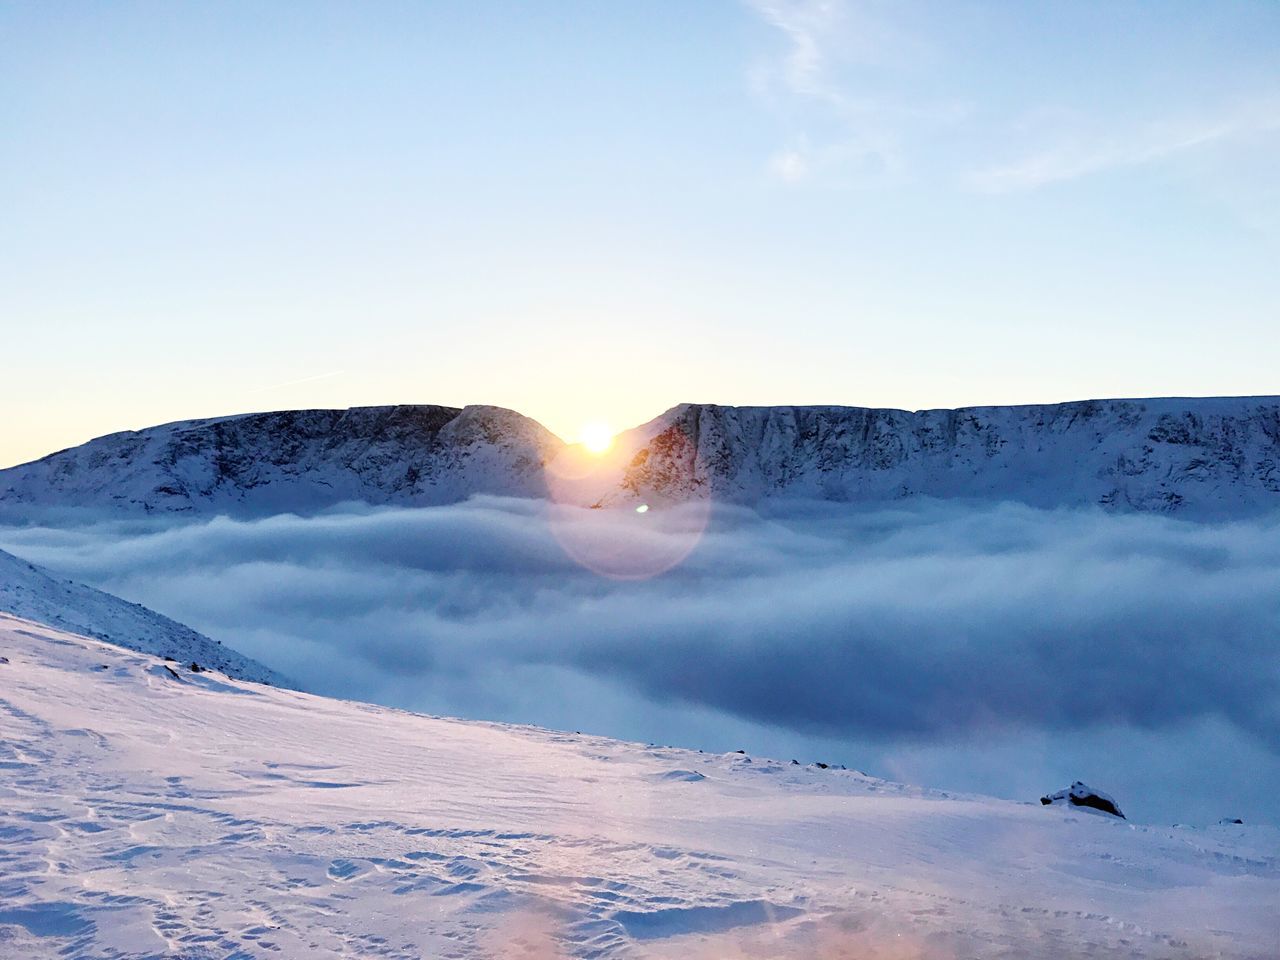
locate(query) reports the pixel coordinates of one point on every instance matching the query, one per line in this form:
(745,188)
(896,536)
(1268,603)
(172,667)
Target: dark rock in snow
(1082,795)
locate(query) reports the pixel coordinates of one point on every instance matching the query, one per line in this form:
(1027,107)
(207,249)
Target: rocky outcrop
(1196,457)
(1082,795)
(298,461)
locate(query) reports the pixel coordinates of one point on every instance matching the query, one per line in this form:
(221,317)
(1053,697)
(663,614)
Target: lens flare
(596,436)
(628,544)
(607,518)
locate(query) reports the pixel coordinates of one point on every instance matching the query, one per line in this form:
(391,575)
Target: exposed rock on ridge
(300,461)
(1199,458)
(1208,457)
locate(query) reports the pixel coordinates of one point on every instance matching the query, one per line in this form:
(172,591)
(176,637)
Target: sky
(592,211)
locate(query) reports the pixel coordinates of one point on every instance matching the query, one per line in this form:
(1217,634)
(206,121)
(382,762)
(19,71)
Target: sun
(596,436)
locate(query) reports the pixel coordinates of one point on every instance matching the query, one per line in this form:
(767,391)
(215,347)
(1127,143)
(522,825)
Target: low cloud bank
(912,628)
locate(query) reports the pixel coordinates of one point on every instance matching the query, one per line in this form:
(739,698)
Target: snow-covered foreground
(150,813)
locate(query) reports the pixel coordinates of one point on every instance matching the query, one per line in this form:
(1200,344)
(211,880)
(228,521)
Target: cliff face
(1203,458)
(1212,457)
(294,461)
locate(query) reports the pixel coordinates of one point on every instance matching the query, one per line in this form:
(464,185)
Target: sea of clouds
(999,649)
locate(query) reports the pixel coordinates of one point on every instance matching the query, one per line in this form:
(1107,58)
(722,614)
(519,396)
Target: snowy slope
(1204,458)
(147,815)
(35,594)
(1198,457)
(293,461)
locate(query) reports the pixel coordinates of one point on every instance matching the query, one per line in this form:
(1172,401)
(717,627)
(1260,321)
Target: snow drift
(151,814)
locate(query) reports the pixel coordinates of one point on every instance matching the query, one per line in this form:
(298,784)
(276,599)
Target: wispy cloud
(827,83)
(822,40)
(873,91)
(809,26)
(792,164)
(1080,155)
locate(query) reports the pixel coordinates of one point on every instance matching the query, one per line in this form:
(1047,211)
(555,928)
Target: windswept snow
(35,594)
(147,811)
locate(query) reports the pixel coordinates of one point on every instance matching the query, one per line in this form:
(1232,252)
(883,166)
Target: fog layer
(994,648)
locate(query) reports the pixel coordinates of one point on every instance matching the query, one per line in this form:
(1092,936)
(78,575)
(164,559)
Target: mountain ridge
(1205,457)
(284,461)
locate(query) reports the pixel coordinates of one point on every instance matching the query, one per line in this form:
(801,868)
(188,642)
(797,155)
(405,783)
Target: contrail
(290,383)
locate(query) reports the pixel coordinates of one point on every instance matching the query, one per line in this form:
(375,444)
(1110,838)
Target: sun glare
(596,436)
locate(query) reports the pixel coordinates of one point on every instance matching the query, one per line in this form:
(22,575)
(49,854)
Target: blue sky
(589,211)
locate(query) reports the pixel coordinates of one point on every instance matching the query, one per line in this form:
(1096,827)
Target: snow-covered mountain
(300,461)
(153,812)
(35,594)
(1193,457)
(1197,457)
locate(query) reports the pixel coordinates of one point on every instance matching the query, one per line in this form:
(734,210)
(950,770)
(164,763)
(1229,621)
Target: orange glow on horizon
(596,436)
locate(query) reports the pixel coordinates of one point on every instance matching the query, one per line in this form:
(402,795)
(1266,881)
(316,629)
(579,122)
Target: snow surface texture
(35,594)
(147,814)
(294,461)
(1213,458)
